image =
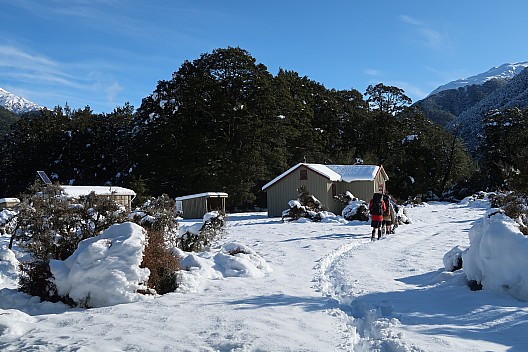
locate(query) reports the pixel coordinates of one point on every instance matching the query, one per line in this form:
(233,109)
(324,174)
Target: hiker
(376,208)
(388,215)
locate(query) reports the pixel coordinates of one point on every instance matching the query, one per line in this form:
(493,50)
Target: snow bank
(104,270)
(479,200)
(8,266)
(452,258)
(231,260)
(498,255)
(236,259)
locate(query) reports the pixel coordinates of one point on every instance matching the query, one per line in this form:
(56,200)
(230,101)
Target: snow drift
(104,270)
(498,255)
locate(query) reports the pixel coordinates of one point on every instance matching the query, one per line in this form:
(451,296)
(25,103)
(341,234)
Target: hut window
(334,190)
(303,175)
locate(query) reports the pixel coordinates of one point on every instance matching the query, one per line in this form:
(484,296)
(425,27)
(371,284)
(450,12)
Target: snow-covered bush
(514,205)
(198,236)
(236,259)
(478,200)
(306,206)
(159,214)
(453,259)
(50,226)
(498,255)
(104,270)
(355,208)
(402,216)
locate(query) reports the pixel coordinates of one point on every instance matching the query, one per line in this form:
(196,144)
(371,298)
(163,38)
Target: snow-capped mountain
(463,109)
(16,104)
(506,71)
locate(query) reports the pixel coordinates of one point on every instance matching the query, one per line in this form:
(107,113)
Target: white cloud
(372,72)
(428,36)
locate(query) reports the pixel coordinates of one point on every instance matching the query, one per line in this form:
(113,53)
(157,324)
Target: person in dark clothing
(376,208)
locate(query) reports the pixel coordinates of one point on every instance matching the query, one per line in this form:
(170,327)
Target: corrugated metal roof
(347,173)
(351,173)
(205,194)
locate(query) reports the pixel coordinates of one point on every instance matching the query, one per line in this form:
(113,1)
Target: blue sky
(104,53)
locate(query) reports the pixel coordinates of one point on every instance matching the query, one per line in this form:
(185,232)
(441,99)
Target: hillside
(461,110)
(446,105)
(512,94)
(326,287)
(503,72)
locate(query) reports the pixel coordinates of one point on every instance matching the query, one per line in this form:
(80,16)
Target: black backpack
(377,204)
(387,205)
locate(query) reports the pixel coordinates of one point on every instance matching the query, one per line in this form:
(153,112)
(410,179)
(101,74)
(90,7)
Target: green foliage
(7,118)
(34,279)
(159,215)
(50,226)
(446,105)
(503,150)
(224,123)
(76,146)
(212,227)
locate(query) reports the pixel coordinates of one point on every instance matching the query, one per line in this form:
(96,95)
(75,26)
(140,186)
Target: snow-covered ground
(298,286)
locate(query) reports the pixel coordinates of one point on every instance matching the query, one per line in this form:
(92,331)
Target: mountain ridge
(17,104)
(505,71)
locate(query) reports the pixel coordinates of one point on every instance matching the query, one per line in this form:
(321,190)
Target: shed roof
(346,173)
(9,200)
(77,191)
(205,194)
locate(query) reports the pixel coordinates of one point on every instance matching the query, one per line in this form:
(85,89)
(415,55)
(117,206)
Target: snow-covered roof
(77,191)
(205,194)
(346,173)
(9,200)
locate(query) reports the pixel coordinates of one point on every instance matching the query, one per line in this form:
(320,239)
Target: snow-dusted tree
(50,226)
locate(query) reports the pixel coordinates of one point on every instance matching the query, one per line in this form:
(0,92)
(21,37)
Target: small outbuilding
(324,182)
(8,203)
(195,206)
(123,196)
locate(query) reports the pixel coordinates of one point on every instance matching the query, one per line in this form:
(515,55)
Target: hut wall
(280,193)
(194,208)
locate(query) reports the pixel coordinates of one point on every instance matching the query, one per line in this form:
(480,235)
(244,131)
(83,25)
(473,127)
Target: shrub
(159,214)
(34,280)
(50,226)
(306,206)
(515,206)
(193,239)
(163,265)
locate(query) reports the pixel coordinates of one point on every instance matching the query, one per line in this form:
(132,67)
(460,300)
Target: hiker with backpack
(376,208)
(388,215)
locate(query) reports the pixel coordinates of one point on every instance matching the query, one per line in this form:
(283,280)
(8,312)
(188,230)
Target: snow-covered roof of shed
(347,173)
(205,194)
(351,173)
(9,200)
(77,191)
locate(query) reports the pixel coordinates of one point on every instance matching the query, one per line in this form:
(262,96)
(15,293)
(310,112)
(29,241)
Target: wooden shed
(8,203)
(123,196)
(324,182)
(195,206)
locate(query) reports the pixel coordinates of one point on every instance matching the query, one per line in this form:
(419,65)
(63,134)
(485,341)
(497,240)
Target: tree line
(223,122)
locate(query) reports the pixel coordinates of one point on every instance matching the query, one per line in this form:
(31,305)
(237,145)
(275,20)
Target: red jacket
(374,216)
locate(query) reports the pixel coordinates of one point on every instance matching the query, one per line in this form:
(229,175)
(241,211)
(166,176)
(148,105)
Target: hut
(123,196)
(325,182)
(195,206)
(8,203)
